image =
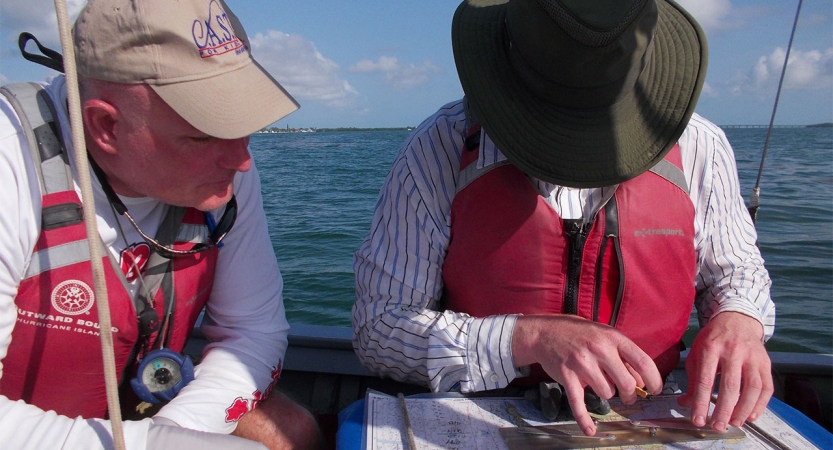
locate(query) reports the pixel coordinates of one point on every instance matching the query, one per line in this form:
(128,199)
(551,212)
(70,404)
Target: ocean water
(320,188)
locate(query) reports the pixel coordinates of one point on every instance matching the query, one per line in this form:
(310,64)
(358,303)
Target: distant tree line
(365,129)
(318,130)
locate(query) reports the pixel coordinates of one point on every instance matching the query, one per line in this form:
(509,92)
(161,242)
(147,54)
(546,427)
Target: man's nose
(236,155)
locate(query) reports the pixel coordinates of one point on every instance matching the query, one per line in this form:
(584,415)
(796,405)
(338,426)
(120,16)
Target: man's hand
(577,353)
(729,345)
(280,423)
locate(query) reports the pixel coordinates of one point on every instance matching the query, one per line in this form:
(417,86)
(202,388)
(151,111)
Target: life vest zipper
(576,236)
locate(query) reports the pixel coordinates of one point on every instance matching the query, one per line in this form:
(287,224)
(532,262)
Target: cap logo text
(215,36)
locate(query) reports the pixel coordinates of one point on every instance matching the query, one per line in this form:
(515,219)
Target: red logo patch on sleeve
(241,406)
(238,408)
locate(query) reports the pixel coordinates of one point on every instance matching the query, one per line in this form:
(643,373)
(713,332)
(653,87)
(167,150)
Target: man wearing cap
(568,213)
(169,94)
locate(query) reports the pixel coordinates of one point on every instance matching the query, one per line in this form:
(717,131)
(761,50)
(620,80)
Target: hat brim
(230,105)
(581,147)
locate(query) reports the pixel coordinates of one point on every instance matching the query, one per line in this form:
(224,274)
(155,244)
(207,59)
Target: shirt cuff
(489,353)
(765,318)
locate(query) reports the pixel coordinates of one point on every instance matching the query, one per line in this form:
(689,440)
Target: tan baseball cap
(193,53)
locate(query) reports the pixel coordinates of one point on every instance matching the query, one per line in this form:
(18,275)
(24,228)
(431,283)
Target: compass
(161,375)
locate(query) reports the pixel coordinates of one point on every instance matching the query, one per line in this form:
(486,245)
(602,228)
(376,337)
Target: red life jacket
(633,267)
(54,360)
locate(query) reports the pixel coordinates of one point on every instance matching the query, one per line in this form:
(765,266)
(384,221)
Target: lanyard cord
(166,329)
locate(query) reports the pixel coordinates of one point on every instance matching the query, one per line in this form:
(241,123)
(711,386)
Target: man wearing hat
(169,95)
(567,214)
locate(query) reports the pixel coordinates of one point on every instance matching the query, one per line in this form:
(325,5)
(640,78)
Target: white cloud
(37,17)
(292,60)
(400,76)
(805,70)
(710,14)
(810,70)
(302,69)
(386,64)
(709,91)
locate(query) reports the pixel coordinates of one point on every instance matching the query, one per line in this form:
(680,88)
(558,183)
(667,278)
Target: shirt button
(494,378)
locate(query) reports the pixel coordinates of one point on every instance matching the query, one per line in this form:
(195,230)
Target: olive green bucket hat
(580,93)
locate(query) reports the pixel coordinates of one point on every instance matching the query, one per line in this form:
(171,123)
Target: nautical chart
(457,423)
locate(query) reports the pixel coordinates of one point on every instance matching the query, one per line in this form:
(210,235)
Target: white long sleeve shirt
(399,334)
(244,320)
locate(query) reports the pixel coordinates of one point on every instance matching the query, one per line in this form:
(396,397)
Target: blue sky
(387,63)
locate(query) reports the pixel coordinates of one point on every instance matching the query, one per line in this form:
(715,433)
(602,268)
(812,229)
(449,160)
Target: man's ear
(101,120)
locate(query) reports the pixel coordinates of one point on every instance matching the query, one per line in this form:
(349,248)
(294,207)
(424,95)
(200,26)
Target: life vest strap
(37,117)
(671,172)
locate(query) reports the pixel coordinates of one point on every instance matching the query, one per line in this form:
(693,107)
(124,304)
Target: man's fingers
(728,396)
(729,345)
(601,383)
(626,382)
(701,373)
(641,367)
(575,395)
(763,399)
(748,399)
(636,376)
(755,395)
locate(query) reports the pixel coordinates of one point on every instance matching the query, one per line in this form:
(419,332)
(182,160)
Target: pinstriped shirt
(398,332)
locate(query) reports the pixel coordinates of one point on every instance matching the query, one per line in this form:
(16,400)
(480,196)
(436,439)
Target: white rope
(87,199)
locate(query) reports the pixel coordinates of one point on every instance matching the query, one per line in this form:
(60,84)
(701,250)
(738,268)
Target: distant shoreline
(815,125)
(275,130)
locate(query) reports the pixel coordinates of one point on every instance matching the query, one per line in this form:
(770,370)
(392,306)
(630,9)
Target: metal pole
(756,191)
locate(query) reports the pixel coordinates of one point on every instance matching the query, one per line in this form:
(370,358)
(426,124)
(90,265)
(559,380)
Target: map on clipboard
(486,423)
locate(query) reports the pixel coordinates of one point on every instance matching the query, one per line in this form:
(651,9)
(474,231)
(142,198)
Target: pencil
(409,430)
(641,392)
